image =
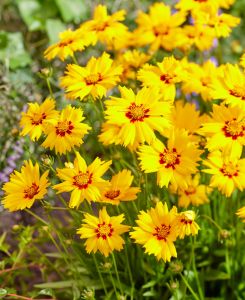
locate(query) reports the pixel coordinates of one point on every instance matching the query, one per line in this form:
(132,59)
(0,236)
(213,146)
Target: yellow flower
(103,233)
(172,163)
(119,189)
(157,230)
(70,42)
(230,85)
(186,116)
(198,35)
(194,194)
(159,28)
(200,79)
(163,76)
(138,115)
(187,224)
(241,213)
(131,61)
(225,130)
(242,61)
(84,181)
(227,173)
(106,27)
(95,79)
(67,132)
(37,117)
(25,187)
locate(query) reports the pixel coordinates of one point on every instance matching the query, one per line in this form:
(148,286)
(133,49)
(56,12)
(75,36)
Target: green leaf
(53,28)
(30,13)
(46,292)
(14,52)
(3,292)
(213,275)
(73,10)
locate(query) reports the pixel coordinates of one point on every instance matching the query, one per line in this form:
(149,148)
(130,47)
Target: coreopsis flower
(228,173)
(186,116)
(159,28)
(70,42)
(174,162)
(241,213)
(95,79)
(242,61)
(194,194)
(120,189)
(223,24)
(107,28)
(84,181)
(164,76)
(225,129)
(187,224)
(103,234)
(198,35)
(37,117)
(131,61)
(157,230)
(67,131)
(202,76)
(197,5)
(25,187)
(230,85)
(138,115)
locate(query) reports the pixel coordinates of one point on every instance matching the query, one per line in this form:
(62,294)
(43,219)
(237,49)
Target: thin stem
(37,217)
(189,287)
(49,88)
(117,275)
(101,278)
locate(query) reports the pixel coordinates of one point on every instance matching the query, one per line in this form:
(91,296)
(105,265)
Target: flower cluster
(179,118)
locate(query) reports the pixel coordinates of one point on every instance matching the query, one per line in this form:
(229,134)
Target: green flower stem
(116,270)
(189,287)
(98,270)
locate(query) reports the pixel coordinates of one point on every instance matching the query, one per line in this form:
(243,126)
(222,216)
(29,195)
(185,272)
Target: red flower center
(137,113)
(37,119)
(64,127)
(82,180)
(162,232)
(92,79)
(169,158)
(112,194)
(31,191)
(234,129)
(104,230)
(229,170)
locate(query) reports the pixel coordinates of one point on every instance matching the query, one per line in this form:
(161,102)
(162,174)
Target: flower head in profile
(138,116)
(225,129)
(157,230)
(37,117)
(174,162)
(70,42)
(230,85)
(120,189)
(103,233)
(85,182)
(95,79)
(67,131)
(25,187)
(228,173)
(186,223)
(194,194)
(164,76)
(241,213)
